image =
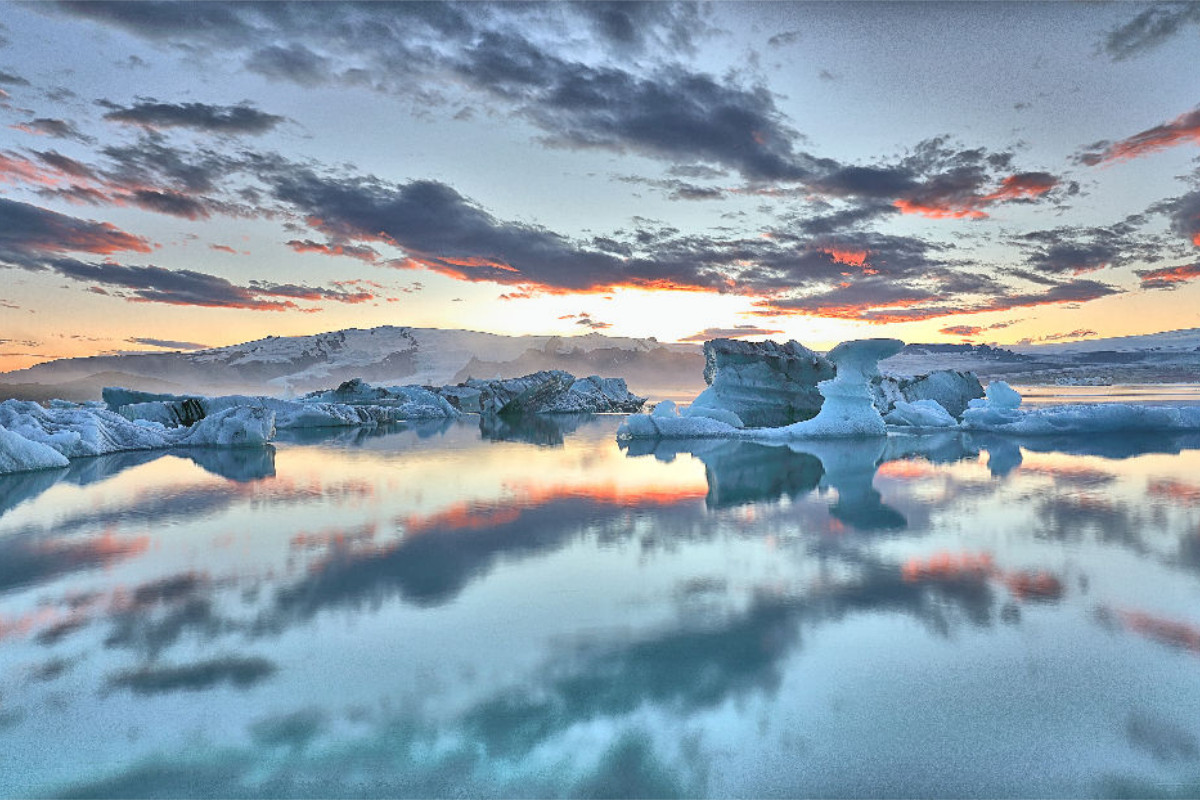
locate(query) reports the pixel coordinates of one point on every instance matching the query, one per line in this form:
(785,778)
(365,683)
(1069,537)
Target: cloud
(1149,29)
(65,165)
(167,202)
(934,180)
(360,252)
(1168,277)
(1185,216)
(883,302)
(1184,129)
(28,231)
(166,343)
(1081,333)
(735,332)
(965,331)
(196,116)
(58,128)
(502,52)
(33,238)
(442,231)
(12,80)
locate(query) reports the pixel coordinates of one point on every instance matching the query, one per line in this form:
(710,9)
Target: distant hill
(389,354)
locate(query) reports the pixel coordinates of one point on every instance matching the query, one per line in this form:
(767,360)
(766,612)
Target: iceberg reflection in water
(527,609)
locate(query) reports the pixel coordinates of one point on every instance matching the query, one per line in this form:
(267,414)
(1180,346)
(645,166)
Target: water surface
(529,610)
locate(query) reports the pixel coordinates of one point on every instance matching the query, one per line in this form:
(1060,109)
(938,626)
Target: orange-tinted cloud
(1184,129)
(853,258)
(959,205)
(30,230)
(1169,277)
(964,331)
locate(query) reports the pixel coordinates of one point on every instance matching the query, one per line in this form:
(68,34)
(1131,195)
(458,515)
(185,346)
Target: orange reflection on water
(1033,585)
(946,566)
(906,469)
(1174,490)
(1024,585)
(1181,635)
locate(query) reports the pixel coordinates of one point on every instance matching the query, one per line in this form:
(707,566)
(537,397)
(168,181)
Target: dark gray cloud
(34,238)
(295,63)
(936,180)
(191,288)
(885,301)
(58,128)
(1185,216)
(28,232)
(668,113)
(1077,250)
(196,116)
(635,27)
(12,80)
(677,189)
(172,203)
(65,164)
(1150,28)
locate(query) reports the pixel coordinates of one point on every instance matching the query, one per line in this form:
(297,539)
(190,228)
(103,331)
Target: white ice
(69,430)
(920,414)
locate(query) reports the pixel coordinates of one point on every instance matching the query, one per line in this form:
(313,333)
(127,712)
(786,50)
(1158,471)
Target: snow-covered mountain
(386,355)
(1186,339)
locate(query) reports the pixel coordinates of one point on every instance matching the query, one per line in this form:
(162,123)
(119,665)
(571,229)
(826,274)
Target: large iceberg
(31,433)
(765,384)
(848,407)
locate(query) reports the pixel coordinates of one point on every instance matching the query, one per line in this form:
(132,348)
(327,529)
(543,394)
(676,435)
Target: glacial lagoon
(530,609)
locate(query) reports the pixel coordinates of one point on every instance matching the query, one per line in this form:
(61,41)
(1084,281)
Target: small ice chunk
(920,414)
(1000,395)
(709,412)
(666,408)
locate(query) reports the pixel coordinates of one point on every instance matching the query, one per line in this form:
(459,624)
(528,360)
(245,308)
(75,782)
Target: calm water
(530,611)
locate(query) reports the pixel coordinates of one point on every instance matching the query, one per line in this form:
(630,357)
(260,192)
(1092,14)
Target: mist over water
(526,609)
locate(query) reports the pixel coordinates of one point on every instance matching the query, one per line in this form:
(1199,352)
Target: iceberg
(952,389)
(762,384)
(313,411)
(848,407)
(69,430)
(545,392)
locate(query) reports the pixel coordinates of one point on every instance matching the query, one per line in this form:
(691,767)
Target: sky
(186,175)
